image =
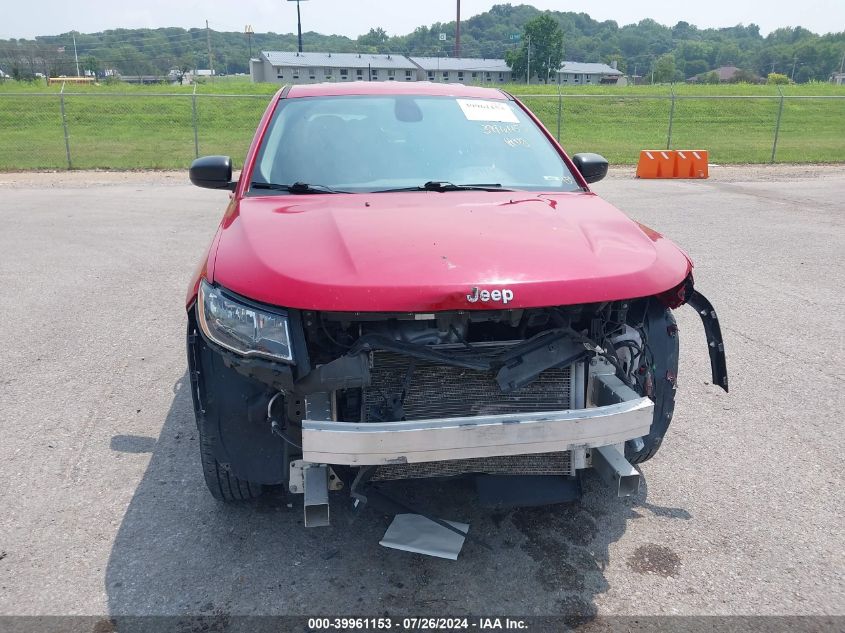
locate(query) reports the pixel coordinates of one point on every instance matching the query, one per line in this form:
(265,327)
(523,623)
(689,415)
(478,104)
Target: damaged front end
(510,395)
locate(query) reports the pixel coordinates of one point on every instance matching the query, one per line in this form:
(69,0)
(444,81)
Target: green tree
(545,38)
(728,55)
(90,63)
(695,67)
(664,68)
(374,39)
(777,78)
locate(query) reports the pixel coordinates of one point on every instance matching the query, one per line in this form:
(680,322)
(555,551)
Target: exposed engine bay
(521,358)
(512,393)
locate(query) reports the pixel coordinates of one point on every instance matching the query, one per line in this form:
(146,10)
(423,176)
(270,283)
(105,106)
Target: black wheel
(222,483)
(662,338)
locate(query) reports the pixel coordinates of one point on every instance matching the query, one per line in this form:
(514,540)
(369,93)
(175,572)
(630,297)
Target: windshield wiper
(442,185)
(295,188)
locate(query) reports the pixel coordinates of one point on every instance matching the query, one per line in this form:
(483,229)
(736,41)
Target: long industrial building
(285,67)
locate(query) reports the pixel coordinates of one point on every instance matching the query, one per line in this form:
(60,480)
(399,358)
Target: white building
(462,69)
(285,67)
(578,73)
(307,68)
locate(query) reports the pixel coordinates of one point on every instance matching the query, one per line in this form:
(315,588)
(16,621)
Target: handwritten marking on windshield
(516,142)
(489,128)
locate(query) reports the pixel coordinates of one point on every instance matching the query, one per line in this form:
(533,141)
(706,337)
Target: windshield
(379,143)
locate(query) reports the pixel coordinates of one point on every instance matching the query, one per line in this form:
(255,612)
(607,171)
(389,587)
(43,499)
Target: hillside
(793,51)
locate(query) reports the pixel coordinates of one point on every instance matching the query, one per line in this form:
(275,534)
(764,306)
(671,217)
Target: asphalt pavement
(103,510)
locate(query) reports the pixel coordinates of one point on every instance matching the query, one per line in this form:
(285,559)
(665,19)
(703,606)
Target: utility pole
(794,62)
(528,69)
(75,56)
(248,31)
(208,41)
(458,32)
(298,23)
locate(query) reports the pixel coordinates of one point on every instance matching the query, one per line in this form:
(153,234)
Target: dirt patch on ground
(655,559)
(85,179)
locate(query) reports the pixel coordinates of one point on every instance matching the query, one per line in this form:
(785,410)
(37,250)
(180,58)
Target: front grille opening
(441,391)
(539,464)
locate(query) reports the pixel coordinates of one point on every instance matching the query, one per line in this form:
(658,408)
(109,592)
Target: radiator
(441,391)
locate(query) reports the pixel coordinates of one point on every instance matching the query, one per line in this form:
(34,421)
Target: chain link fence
(71,130)
(733,128)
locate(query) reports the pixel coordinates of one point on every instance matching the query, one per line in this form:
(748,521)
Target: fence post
(671,119)
(559,110)
(777,126)
(194,111)
(64,125)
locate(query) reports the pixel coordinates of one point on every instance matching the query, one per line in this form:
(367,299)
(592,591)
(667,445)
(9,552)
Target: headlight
(242,328)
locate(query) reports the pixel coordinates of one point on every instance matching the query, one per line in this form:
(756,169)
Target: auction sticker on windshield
(478,110)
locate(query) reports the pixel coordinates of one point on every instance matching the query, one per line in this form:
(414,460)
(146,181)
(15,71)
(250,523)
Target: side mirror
(592,166)
(212,172)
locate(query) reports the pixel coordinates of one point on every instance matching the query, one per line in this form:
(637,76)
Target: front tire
(222,483)
(211,410)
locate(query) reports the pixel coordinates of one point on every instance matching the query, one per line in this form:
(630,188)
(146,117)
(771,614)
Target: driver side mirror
(212,172)
(593,167)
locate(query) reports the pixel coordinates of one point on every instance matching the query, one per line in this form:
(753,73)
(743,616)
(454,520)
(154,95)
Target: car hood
(428,251)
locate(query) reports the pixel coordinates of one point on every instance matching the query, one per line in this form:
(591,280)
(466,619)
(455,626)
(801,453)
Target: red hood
(426,251)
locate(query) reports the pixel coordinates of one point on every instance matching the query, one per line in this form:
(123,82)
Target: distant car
(414,280)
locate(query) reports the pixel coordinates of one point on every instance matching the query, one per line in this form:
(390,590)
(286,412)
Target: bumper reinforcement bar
(620,416)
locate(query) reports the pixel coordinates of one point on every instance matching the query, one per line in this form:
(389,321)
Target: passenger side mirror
(593,167)
(212,172)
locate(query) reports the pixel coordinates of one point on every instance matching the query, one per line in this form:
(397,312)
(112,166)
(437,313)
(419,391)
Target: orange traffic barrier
(691,163)
(656,163)
(664,163)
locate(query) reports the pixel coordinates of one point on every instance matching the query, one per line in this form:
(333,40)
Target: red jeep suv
(414,280)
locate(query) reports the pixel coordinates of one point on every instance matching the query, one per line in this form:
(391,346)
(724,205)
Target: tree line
(657,52)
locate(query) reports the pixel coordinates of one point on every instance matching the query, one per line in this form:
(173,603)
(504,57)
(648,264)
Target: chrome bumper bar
(620,414)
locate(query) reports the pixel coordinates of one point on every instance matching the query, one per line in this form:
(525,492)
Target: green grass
(618,122)
(136,127)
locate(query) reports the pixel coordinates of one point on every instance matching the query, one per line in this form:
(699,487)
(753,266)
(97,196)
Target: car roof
(394,88)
